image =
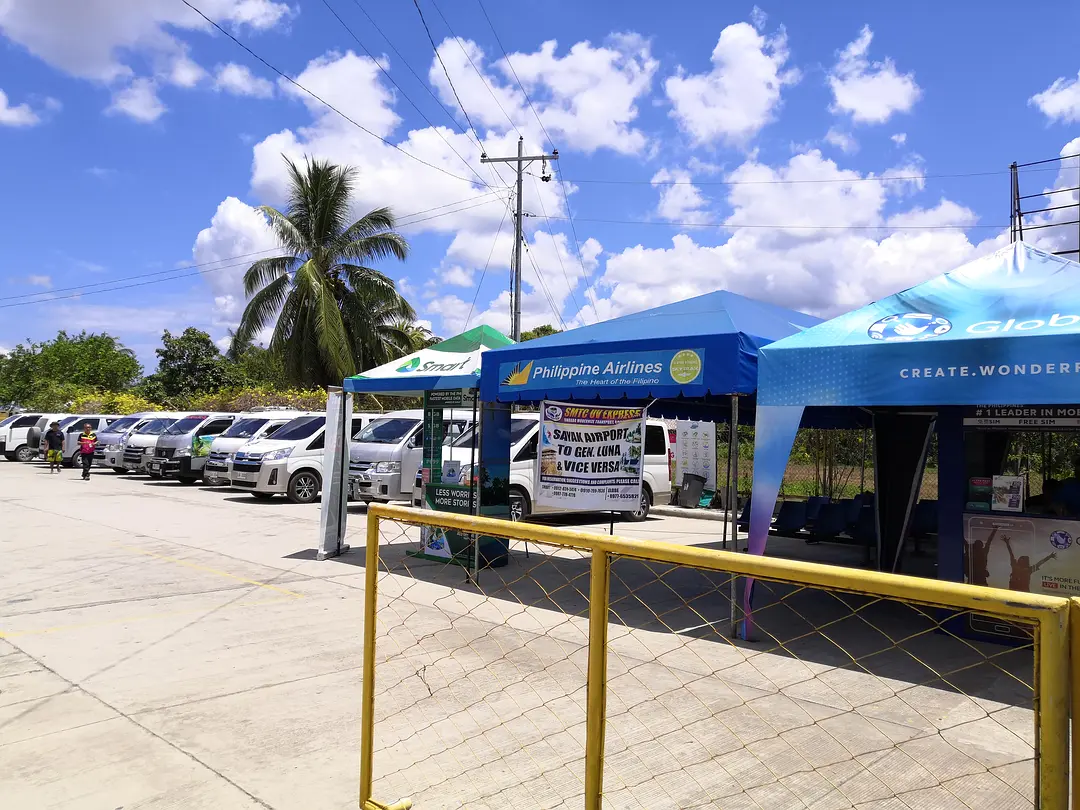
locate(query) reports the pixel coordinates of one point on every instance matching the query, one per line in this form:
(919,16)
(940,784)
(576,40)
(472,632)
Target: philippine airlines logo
(412,365)
(909,326)
(553,412)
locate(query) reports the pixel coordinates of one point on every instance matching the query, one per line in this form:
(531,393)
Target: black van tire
(642,511)
(74,461)
(23,453)
(520,508)
(304,486)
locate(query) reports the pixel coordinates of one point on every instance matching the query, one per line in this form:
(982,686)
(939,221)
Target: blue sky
(137,139)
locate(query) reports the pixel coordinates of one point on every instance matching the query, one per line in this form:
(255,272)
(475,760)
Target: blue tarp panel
(701,346)
(1000,330)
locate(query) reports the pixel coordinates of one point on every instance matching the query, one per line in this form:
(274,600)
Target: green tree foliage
(188,364)
(414,337)
(332,314)
(539,332)
(50,373)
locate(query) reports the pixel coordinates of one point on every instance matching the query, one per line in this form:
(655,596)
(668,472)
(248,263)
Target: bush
(111,402)
(245,399)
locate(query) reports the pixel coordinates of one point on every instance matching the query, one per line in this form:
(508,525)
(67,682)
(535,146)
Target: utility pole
(522,160)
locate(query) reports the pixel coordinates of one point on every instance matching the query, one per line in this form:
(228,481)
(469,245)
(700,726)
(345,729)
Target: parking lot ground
(164,646)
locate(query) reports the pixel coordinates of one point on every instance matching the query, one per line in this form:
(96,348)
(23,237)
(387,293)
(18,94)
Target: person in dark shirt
(87,443)
(54,447)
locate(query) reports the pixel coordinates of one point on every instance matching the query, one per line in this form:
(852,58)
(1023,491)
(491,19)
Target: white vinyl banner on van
(695,451)
(591,458)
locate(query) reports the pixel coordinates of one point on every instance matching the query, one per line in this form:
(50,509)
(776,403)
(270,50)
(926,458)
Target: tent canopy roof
(1001,329)
(723,328)
(452,363)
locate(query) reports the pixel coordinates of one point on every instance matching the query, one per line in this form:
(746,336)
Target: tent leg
(334,511)
(733,506)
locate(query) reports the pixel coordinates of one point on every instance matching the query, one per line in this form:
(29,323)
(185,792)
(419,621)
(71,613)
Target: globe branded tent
(452,363)
(706,345)
(1003,329)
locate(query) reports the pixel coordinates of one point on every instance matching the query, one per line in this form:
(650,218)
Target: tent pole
(733,502)
(474,499)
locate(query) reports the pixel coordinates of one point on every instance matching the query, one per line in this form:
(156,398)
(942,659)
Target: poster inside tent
(695,451)
(590,458)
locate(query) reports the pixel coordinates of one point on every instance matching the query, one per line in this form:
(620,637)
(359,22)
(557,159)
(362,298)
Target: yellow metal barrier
(867,663)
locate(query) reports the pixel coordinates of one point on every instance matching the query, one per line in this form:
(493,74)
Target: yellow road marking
(137,618)
(209,570)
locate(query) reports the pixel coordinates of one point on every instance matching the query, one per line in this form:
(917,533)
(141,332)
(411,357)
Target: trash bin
(690,491)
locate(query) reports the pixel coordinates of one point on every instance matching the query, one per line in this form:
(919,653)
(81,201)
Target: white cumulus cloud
(20,115)
(587,97)
(871,92)
(1060,101)
(39,281)
(139,100)
(680,199)
(841,140)
(240,81)
(900,138)
(740,95)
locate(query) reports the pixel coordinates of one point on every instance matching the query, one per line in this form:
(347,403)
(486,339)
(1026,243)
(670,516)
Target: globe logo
(1060,539)
(909,326)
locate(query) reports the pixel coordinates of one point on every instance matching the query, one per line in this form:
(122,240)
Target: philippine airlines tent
(452,363)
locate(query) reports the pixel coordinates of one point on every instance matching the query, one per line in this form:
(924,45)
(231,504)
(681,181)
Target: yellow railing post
(367,703)
(596,690)
(1074,684)
(1052,686)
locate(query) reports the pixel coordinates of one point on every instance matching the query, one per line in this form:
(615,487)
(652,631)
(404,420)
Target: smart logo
(909,326)
(412,365)
(431,367)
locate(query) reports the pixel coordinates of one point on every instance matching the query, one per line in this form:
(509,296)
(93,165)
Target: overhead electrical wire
(46,296)
(483,273)
(735,227)
(404,95)
(323,101)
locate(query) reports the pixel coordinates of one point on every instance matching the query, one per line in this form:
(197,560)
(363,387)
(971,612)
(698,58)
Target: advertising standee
(591,458)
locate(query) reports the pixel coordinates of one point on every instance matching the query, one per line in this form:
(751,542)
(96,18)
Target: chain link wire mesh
(842,700)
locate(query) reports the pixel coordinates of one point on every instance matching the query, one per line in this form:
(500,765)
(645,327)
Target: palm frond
(261,309)
(265,271)
(291,238)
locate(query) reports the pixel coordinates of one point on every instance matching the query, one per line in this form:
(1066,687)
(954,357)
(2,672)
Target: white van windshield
(244,428)
(186,425)
(519,429)
(300,428)
(123,424)
(8,420)
(386,431)
(155,427)
(67,420)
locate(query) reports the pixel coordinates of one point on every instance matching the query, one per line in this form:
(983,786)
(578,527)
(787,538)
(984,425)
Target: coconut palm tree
(332,313)
(416,336)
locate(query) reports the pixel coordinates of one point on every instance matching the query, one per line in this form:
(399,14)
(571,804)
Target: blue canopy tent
(1001,330)
(677,358)
(700,347)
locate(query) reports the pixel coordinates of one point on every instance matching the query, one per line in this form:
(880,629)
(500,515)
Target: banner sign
(591,458)
(695,451)
(666,367)
(1028,416)
(1032,554)
(443,543)
(451,398)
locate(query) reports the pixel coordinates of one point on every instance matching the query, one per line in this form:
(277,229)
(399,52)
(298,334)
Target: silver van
(385,455)
(184,447)
(72,426)
(110,447)
(141,443)
(248,427)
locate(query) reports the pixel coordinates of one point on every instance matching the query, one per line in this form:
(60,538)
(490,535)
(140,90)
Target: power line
(589,294)
(558,253)
(886,178)
(544,287)
(491,253)
(179,275)
(322,101)
(405,95)
(883,227)
(468,56)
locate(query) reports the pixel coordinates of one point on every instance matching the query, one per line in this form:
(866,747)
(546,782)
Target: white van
(111,439)
(290,462)
(384,457)
(248,427)
(524,440)
(184,447)
(15,438)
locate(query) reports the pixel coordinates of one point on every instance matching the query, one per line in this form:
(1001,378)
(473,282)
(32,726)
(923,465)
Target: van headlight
(113,448)
(182,451)
(384,467)
(149,451)
(278,455)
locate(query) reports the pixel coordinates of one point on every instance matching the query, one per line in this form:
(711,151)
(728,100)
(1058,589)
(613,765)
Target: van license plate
(243,476)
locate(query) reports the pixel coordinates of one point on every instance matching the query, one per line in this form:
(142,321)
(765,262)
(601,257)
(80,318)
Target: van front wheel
(642,511)
(519,505)
(23,453)
(304,487)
